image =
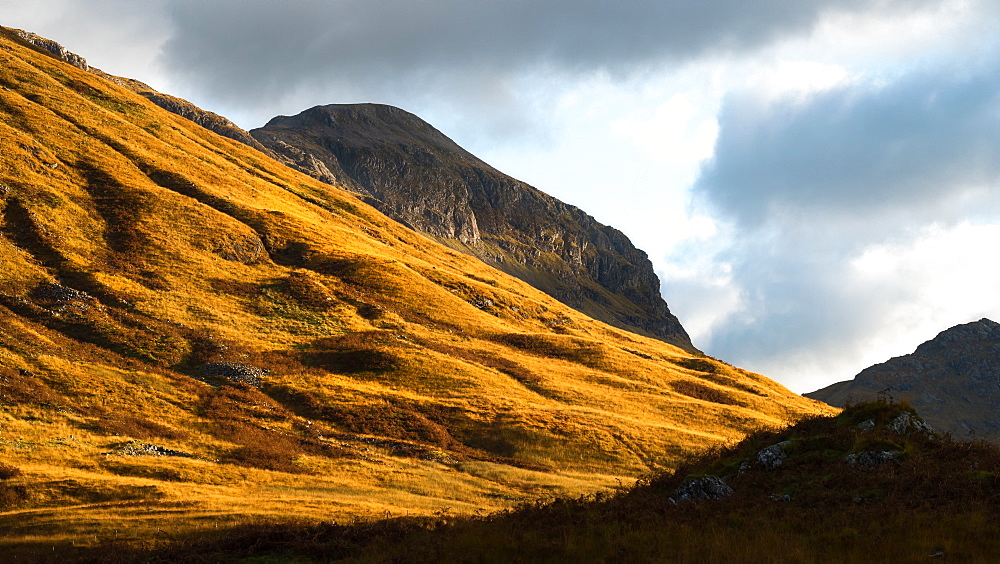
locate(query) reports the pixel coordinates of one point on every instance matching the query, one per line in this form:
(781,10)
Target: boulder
(768,458)
(705,487)
(55,292)
(906,423)
(867,425)
(236,372)
(872,458)
(772,456)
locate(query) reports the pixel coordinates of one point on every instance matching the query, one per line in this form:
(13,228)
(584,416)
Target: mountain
(194,335)
(415,174)
(953,380)
(418,176)
(870,485)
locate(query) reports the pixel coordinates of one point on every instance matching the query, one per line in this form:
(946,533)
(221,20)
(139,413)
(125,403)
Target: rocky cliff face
(953,380)
(417,175)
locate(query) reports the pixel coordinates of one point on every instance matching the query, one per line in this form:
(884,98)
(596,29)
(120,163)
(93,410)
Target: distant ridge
(953,380)
(418,176)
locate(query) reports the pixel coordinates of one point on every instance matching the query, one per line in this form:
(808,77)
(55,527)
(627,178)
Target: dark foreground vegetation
(872,484)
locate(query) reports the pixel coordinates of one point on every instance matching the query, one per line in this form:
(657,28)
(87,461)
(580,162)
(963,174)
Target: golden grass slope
(404,377)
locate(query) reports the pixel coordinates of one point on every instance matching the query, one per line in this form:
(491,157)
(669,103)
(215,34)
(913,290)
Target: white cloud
(918,288)
(678,131)
(945,275)
(794,79)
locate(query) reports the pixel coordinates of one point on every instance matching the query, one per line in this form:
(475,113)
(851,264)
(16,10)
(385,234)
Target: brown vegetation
(244,416)
(703,392)
(127,425)
(938,500)
(24,387)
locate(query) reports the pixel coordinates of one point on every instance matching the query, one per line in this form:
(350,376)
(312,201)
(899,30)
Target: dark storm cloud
(248,51)
(908,147)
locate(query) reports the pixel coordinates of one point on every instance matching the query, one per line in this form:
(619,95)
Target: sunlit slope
(137,247)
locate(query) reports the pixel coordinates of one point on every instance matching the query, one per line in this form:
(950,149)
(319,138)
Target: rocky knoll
(415,174)
(953,380)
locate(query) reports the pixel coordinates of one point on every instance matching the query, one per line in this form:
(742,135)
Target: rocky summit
(953,380)
(415,174)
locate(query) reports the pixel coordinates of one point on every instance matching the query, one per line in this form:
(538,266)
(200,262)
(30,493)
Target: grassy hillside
(866,486)
(149,264)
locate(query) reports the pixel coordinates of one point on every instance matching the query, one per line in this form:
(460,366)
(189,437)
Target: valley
(195,336)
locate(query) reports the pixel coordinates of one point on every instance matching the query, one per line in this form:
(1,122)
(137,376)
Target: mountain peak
(965,333)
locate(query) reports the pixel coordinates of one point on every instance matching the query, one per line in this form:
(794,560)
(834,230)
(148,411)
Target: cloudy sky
(817,182)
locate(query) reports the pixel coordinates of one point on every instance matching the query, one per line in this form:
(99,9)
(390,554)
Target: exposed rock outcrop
(909,423)
(140,448)
(204,118)
(51,47)
(703,488)
(872,458)
(772,456)
(235,372)
(953,380)
(417,175)
(55,292)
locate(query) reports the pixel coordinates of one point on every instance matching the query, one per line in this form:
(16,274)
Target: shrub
(351,362)
(350,269)
(142,471)
(136,427)
(699,365)
(241,402)
(494,361)
(278,456)
(235,410)
(355,352)
(552,346)
(25,387)
(236,288)
(208,347)
(703,392)
(308,292)
(7,471)
(11,496)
